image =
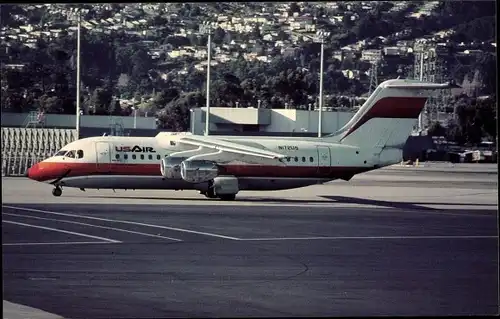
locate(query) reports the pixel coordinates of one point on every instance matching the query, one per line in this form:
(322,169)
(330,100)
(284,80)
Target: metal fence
(22,147)
(16,165)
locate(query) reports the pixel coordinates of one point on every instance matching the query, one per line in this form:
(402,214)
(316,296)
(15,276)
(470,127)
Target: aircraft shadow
(203,198)
(398,205)
(321,199)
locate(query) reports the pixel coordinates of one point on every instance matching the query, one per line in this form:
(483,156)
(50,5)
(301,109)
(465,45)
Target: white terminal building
(261,121)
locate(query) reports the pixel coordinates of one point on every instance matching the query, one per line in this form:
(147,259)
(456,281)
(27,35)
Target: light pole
(320,38)
(135,116)
(421,77)
(78,75)
(206,28)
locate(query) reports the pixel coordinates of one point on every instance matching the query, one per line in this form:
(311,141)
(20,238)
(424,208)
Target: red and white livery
(221,166)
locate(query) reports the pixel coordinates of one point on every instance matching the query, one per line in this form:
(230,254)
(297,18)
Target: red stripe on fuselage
(45,171)
(392,107)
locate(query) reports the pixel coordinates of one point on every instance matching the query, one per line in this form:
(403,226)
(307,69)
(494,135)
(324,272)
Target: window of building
(79,154)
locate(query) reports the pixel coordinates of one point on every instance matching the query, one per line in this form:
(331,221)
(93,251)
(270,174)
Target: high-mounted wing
(222,146)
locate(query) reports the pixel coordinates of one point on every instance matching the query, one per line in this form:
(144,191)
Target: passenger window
(158,157)
(288,159)
(142,156)
(296,159)
(117,156)
(311,159)
(79,153)
(150,156)
(70,154)
(303,159)
(125,156)
(133,156)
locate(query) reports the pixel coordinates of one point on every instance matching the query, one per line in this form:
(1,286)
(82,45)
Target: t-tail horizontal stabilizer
(388,116)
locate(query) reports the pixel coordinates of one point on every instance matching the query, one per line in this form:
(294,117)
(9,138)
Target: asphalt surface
(128,261)
(396,241)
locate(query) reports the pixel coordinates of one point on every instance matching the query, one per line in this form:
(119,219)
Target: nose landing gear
(57,191)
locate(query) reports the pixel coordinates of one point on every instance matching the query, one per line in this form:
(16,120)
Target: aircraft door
(324,160)
(103,156)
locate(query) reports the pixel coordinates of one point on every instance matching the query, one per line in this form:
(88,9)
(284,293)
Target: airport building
(270,122)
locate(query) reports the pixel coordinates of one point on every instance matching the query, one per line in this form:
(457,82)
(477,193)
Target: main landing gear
(228,197)
(57,191)
(211,194)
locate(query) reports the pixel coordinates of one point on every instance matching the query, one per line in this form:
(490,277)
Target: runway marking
(58,243)
(368,237)
(125,222)
(63,231)
(97,226)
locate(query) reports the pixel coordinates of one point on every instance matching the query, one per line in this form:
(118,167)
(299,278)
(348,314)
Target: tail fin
(387,118)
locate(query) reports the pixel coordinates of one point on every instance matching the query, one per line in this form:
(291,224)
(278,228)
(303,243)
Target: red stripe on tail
(391,107)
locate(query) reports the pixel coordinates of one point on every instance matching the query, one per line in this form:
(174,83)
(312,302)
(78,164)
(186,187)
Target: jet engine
(199,171)
(170,167)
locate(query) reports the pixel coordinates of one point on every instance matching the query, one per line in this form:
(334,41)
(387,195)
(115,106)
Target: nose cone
(34,172)
(47,171)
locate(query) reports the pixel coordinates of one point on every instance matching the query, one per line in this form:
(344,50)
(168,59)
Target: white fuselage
(111,162)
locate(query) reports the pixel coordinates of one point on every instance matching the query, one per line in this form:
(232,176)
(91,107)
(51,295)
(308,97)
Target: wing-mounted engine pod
(199,171)
(170,167)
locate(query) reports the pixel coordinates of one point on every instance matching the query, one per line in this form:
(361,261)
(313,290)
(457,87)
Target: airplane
(222,166)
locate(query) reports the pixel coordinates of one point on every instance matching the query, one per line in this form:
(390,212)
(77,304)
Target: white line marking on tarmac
(97,226)
(58,243)
(124,222)
(63,231)
(368,237)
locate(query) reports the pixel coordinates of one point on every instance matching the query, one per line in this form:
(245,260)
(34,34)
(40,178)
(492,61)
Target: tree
(175,116)
(436,129)
(165,97)
(100,101)
(486,115)
(218,36)
(50,104)
(485,63)
(294,7)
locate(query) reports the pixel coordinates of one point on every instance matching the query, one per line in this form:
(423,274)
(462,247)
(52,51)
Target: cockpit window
(79,154)
(61,153)
(70,154)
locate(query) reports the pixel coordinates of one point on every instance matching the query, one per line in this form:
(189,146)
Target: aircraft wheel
(57,192)
(210,193)
(228,197)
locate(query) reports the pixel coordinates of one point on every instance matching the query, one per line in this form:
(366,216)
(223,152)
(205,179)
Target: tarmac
(383,244)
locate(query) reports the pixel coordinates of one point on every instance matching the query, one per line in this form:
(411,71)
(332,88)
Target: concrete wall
(68,121)
(307,121)
(225,115)
(97,131)
(281,121)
